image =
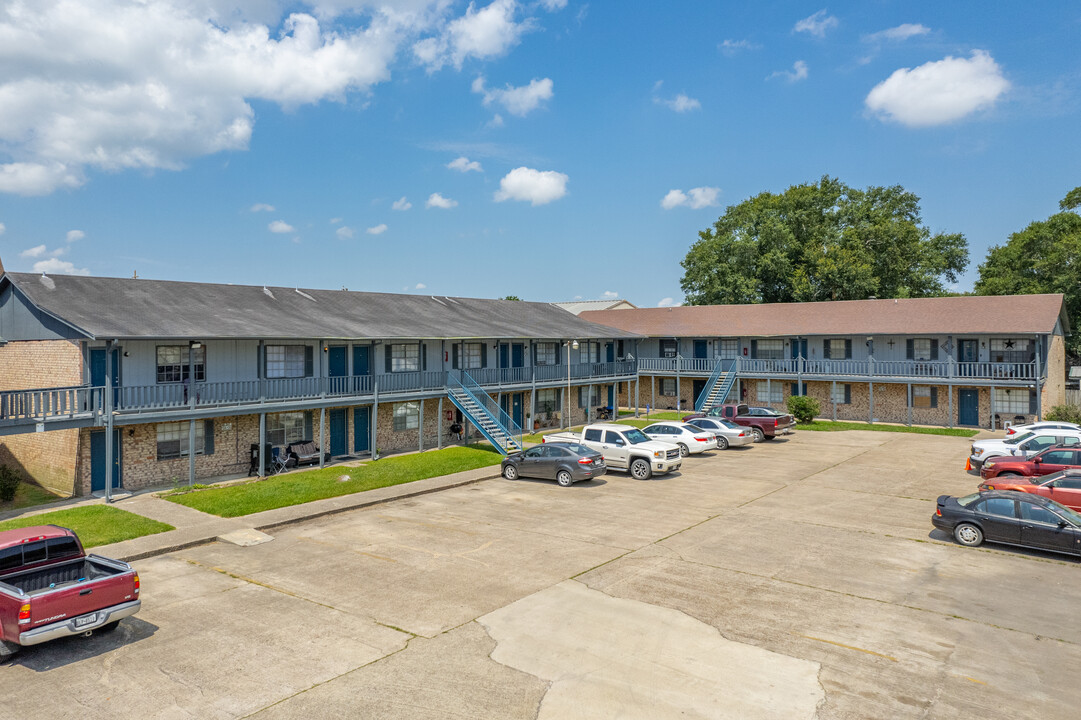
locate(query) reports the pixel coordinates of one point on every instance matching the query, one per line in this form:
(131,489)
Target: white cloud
(2,228)
(114,84)
(536,186)
(518,101)
(495,122)
(335,221)
(816,24)
(438,201)
(897,34)
(553,5)
(262,207)
(609,295)
(75,235)
(344,232)
(485,33)
(59,267)
(681,103)
(733,47)
(797,73)
(695,198)
(377,230)
(666,302)
(939,92)
(280,226)
(36,251)
(463,164)
(401,204)
(420,286)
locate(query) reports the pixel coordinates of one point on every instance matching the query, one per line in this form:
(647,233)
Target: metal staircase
(717,387)
(484,413)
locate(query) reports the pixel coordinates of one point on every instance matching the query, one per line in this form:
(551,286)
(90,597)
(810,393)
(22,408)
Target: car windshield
(636,436)
(1019,438)
(1050,477)
(968,499)
(1065,512)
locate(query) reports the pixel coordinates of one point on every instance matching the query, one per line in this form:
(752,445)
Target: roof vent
(438,301)
(47,281)
(268,293)
(450,299)
(304,294)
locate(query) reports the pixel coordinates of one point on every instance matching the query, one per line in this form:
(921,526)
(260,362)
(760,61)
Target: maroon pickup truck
(765,423)
(50,588)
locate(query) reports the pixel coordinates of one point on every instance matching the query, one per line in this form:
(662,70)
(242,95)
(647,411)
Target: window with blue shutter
(208,437)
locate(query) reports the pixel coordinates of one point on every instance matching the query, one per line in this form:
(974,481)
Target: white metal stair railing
(717,387)
(477,405)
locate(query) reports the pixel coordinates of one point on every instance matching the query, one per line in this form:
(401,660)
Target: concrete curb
(173,546)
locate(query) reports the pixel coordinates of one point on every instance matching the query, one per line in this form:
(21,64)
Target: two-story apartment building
(972,361)
(188,377)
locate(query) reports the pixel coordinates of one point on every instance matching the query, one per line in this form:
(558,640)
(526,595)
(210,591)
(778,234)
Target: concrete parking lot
(799,578)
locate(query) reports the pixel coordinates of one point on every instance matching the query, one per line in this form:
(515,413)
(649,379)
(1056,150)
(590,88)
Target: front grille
(673,454)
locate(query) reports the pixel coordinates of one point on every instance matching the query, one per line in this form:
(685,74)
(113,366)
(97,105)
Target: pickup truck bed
(81,570)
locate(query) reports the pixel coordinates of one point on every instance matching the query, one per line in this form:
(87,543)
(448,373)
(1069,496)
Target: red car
(1053,459)
(50,588)
(1063,487)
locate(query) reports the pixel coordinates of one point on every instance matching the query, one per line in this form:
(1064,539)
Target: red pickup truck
(50,588)
(764,423)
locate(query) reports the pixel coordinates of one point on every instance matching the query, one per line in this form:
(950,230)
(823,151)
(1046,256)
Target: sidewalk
(197,528)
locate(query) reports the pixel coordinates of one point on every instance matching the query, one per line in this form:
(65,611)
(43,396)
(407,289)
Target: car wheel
(683,450)
(968,534)
(759,436)
(563,477)
(722,443)
(640,470)
(510,472)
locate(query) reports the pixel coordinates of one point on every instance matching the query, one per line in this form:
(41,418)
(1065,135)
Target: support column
(833,399)
(949,390)
(439,424)
(191,452)
(532,408)
(1039,376)
(910,404)
(653,393)
(637,393)
(420,427)
(871,402)
(262,444)
(769,391)
(322,437)
(375,418)
(109,434)
(992,406)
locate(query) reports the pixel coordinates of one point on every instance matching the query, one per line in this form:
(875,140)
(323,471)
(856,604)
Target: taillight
(1010,431)
(938,511)
(702,439)
(743,434)
(24,614)
(584,461)
(136,583)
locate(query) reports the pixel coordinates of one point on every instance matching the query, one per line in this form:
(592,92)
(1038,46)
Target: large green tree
(1045,257)
(821,241)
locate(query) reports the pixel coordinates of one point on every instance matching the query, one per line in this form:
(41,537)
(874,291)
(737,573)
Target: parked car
(1023,445)
(689,439)
(50,588)
(1010,518)
(1064,486)
(1044,425)
(764,423)
(564,462)
(1053,459)
(625,447)
(727,432)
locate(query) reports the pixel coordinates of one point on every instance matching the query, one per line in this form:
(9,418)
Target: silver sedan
(728,433)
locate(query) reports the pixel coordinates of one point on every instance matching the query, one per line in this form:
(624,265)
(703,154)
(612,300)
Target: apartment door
(361,367)
(610,352)
(361,429)
(968,351)
(338,367)
(799,348)
(97,375)
(700,349)
(339,444)
(97,459)
(517,355)
(512,405)
(697,387)
(968,406)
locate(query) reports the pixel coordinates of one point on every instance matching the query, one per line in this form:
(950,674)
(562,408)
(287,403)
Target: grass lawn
(301,487)
(658,414)
(831,426)
(94,524)
(28,495)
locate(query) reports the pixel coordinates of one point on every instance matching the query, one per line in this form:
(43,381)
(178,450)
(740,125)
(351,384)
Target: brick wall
(49,458)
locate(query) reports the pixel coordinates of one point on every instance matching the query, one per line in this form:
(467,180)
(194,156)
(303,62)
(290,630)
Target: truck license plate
(85,620)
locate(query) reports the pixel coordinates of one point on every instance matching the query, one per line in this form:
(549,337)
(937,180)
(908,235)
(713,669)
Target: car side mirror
(1061,524)
(1037,460)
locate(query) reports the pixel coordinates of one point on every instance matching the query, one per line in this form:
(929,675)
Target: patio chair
(280,461)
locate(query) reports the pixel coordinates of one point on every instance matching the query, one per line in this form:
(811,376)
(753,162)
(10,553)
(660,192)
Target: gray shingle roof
(123,308)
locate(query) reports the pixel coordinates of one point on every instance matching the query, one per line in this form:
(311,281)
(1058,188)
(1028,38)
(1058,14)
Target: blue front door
(504,355)
(361,432)
(517,355)
(361,365)
(799,347)
(337,362)
(512,405)
(968,406)
(97,459)
(700,349)
(97,376)
(610,352)
(338,433)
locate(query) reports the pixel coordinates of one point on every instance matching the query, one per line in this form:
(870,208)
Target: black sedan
(1011,518)
(564,462)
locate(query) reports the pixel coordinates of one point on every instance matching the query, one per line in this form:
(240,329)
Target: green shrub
(1064,413)
(803,408)
(9,483)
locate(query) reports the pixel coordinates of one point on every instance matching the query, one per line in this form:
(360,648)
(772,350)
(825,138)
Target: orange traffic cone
(968,464)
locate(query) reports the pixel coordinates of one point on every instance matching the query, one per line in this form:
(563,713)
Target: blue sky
(552,150)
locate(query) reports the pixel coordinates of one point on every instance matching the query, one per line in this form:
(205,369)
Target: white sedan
(1042,425)
(728,433)
(690,439)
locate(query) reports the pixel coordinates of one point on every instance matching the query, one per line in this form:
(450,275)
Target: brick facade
(50,458)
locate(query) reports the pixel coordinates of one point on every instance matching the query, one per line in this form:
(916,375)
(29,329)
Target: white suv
(1025,444)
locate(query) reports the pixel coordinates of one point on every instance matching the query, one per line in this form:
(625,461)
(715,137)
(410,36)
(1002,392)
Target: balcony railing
(62,402)
(792,367)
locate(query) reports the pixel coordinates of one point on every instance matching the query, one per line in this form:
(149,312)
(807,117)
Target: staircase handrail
(474,391)
(721,366)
